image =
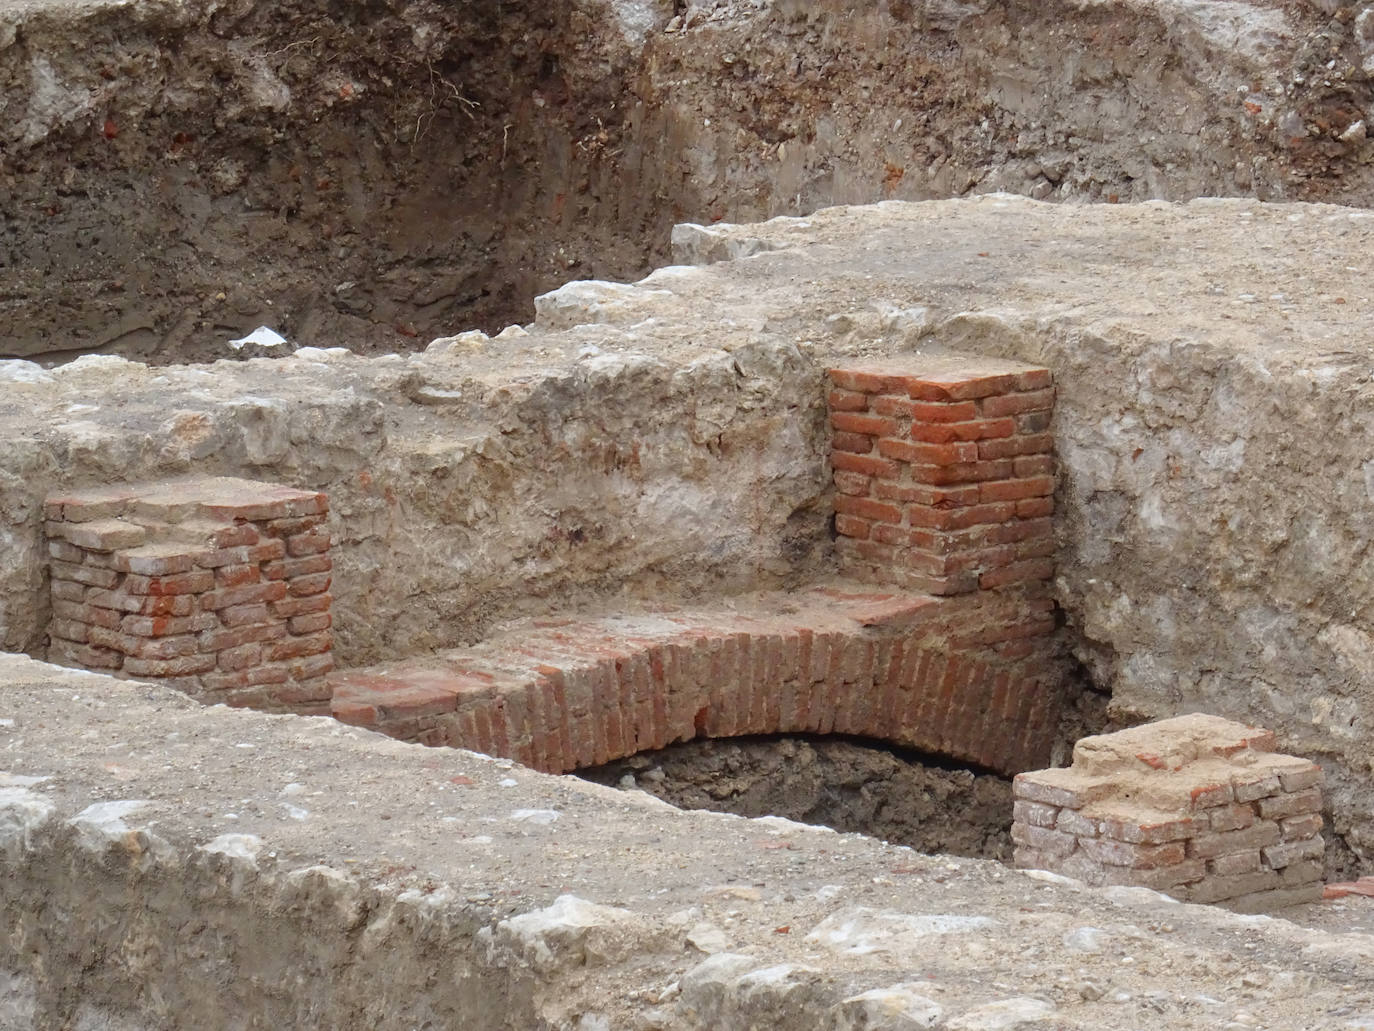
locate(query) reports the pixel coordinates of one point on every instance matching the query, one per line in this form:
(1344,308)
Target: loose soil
(835,783)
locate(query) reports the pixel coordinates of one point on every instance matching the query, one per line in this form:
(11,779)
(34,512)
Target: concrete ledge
(223,868)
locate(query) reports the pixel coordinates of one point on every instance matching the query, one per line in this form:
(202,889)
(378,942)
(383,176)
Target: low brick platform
(943,472)
(216,586)
(1197,806)
(969,678)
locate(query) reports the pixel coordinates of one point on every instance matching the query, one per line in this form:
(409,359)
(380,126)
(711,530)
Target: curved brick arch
(904,668)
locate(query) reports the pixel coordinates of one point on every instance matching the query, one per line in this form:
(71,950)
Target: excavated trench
(374,175)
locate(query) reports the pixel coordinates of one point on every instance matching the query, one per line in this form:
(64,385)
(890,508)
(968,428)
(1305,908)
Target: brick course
(943,473)
(184,581)
(845,658)
(1198,807)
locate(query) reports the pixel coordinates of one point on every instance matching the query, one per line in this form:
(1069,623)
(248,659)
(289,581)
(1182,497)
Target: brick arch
(898,667)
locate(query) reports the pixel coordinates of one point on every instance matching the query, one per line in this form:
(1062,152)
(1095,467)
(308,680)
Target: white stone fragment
(591,301)
(263,336)
(899,1008)
(19,371)
(1085,939)
(543,817)
(471,342)
(708,938)
(1006,1013)
(21,813)
(18,1000)
(862,931)
(20,780)
(242,847)
(571,932)
(101,825)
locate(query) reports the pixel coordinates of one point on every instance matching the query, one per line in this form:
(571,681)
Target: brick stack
(217,586)
(943,472)
(561,695)
(1198,807)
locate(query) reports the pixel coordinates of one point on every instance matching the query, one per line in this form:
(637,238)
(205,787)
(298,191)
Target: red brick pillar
(219,587)
(943,472)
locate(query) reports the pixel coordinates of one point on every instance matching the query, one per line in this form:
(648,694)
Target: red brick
(272,590)
(1016,404)
(871,425)
(310,666)
(853,443)
(291,527)
(162,586)
(1034,379)
(1035,508)
(866,381)
(964,472)
(296,647)
(1017,490)
(940,412)
(869,465)
(295,567)
(1011,447)
(313,542)
(244,615)
(850,526)
(231,659)
(288,607)
(310,623)
(866,508)
(852,483)
(848,401)
(945,433)
(265,552)
(188,665)
(959,518)
(1033,465)
(1034,569)
(267,674)
(218,640)
(1033,422)
(952,387)
(928,454)
(238,575)
(304,586)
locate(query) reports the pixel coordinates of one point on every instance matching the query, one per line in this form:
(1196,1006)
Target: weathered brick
(1151,831)
(304,586)
(962,472)
(242,657)
(1231,817)
(288,607)
(1250,789)
(1016,490)
(1018,572)
(153,560)
(272,590)
(852,483)
(296,647)
(1206,796)
(1019,403)
(64,552)
(1073,822)
(236,637)
(310,666)
(1111,852)
(237,575)
(1278,806)
(294,567)
(70,653)
(185,666)
(310,623)
(1216,888)
(848,401)
(1302,778)
(68,590)
(1034,813)
(1211,844)
(91,576)
(313,542)
(1060,788)
(1235,863)
(244,615)
(851,526)
(69,630)
(1287,853)
(959,388)
(195,582)
(870,425)
(163,626)
(1297,827)
(1013,447)
(869,465)
(1050,842)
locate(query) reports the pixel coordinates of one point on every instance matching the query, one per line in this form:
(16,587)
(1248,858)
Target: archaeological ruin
(929,444)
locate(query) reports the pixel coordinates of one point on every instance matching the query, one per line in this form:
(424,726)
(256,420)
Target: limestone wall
(170,866)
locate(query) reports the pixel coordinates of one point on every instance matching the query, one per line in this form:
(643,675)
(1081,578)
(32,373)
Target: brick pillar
(943,472)
(218,587)
(1195,806)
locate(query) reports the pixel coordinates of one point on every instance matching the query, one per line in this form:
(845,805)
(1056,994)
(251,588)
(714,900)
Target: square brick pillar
(216,586)
(1198,807)
(943,472)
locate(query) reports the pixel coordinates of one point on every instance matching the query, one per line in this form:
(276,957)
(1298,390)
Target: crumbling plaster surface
(169,865)
(1213,430)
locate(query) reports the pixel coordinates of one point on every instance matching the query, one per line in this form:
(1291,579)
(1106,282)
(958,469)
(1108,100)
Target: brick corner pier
(937,634)
(213,585)
(1198,807)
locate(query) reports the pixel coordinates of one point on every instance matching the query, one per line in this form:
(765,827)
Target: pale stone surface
(409,875)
